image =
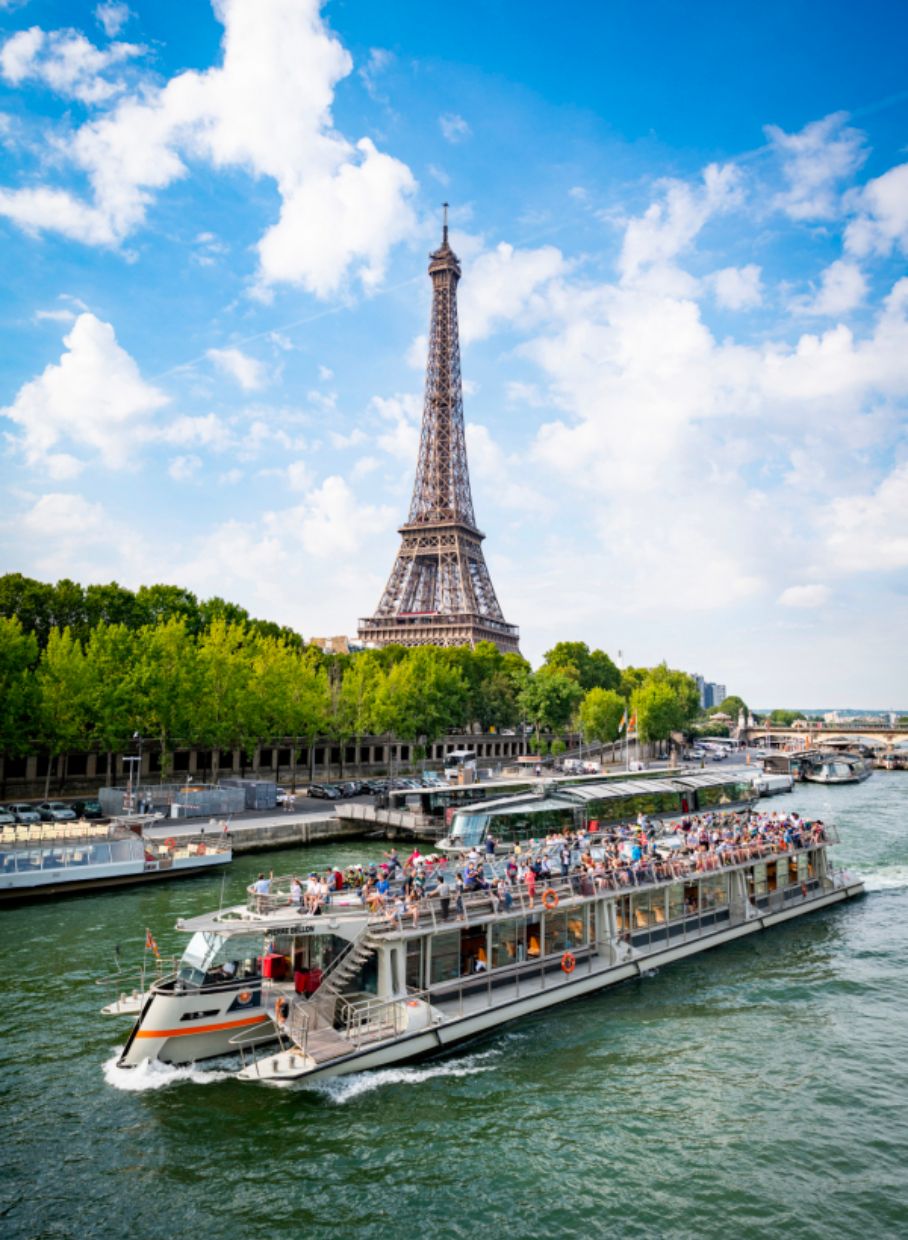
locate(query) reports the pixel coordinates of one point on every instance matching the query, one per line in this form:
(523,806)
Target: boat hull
(43,885)
(450,1034)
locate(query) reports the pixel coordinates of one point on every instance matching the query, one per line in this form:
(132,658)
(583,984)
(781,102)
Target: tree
(591,670)
(732,705)
(600,714)
(225,715)
(785,718)
(631,680)
(549,699)
(667,701)
(166,679)
(110,686)
(111,604)
(31,602)
(18,688)
(158,604)
(422,697)
(63,705)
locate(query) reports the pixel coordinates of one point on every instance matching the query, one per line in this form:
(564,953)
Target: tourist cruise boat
(304,995)
(54,858)
(842,768)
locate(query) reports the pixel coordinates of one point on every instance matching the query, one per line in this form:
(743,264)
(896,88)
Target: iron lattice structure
(440,592)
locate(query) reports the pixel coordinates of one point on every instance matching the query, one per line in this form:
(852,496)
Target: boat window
(445,956)
(713,891)
(534,940)
(474,951)
(781,874)
(507,943)
(676,900)
(414,963)
(469,828)
(565,930)
(641,917)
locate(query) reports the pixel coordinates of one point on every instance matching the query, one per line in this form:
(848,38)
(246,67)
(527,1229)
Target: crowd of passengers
(617,857)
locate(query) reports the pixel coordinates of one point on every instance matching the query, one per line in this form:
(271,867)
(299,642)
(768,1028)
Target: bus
(459,760)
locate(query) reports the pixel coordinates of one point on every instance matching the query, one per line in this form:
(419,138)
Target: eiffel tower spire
(440,592)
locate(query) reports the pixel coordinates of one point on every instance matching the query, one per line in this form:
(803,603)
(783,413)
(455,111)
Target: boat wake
(341,1090)
(152,1074)
(887,878)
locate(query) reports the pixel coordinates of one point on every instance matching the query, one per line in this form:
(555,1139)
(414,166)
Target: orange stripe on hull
(181,1033)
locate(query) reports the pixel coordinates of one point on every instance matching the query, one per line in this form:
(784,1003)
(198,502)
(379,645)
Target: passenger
(296,892)
(443,892)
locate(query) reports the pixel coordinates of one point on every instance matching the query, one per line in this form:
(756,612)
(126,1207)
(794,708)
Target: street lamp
(130,761)
(137,737)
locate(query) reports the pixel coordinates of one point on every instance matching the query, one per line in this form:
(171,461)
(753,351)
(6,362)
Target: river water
(758,1090)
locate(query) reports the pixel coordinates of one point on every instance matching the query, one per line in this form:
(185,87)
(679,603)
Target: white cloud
(668,226)
(248,372)
(814,162)
(380,59)
(66,62)
(882,221)
(184,468)
(502,286)
(58,513)
(332,522)
(55,316)
(842,288)
(737,288)
(415,356)
(325,374)
(870,532)
(343,205)
(94,397)
(453,127)
(398,432)
(113,16)
(807,596)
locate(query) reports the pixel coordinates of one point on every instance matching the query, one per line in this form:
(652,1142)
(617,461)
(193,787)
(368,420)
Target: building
(439,592)
(711,693)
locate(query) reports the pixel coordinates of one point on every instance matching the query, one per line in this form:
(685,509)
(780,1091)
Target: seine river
(758,1090)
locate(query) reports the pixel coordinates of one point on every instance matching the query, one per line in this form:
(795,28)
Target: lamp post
(130,761)
(136,737)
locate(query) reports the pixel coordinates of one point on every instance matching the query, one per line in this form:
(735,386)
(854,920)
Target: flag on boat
(150,944)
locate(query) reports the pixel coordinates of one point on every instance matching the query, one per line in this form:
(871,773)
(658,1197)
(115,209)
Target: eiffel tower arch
(439,592)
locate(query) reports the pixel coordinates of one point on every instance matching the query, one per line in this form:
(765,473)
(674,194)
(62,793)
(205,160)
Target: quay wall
(259,837)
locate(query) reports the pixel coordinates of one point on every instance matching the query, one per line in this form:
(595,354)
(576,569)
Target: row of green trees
(231,686)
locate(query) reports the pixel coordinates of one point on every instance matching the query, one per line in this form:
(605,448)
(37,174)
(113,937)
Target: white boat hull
(447,1034)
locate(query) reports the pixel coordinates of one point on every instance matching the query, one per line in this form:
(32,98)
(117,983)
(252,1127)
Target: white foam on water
(887,878)
(152,1074)
(344,1089)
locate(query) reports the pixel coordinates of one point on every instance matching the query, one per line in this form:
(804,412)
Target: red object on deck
(274,966)
(313,981)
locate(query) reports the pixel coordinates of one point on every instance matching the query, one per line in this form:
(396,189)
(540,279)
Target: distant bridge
(881,736)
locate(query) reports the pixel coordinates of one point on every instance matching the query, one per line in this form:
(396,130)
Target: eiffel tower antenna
(439,592)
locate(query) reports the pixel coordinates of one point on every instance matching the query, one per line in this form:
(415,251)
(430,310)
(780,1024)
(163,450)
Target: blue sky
(683,231)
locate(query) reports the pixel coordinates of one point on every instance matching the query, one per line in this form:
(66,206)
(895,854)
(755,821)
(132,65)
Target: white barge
(351,987)
(55,858)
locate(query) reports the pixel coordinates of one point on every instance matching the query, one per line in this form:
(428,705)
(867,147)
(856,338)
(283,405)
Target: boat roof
(607,790)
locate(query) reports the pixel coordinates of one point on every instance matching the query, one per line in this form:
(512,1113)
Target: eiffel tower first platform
(440,592)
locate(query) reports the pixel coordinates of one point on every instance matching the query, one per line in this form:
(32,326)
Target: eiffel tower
(440,592)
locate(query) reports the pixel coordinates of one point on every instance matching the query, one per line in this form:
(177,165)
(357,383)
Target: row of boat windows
(520,824)
(22,860)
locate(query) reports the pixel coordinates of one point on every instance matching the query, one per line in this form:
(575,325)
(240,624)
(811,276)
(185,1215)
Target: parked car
(55,811)
(6,818)
(87,809)
(325,792)
(23,812)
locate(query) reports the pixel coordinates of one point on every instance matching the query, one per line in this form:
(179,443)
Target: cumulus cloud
(807,596)
(882,215)
(184,468)
(112,16)
(669,225)
(502,286)
(66,62)
(815,161)
(248,372)
(267,110)
(737,288)
(94,397)
(870,532)
(842,288)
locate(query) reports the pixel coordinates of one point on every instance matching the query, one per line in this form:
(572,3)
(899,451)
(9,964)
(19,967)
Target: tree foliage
(600,714)
(592,669)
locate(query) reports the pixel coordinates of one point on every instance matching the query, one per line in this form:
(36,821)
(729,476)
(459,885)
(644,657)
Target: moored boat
(369,978)
(838,769)
(56,858)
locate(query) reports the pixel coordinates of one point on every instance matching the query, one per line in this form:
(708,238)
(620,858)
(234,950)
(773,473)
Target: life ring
(568,963)
(281,1010)
(549,899)
(170,843)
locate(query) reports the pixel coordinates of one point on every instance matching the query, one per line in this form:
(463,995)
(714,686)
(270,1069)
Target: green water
(758,1090)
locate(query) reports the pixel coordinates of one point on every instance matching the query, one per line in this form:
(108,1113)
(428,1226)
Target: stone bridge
(882,737)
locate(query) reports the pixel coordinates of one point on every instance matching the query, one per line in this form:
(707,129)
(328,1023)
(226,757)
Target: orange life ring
(568,963)
(549,899)
(170,843)
(281,1009)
